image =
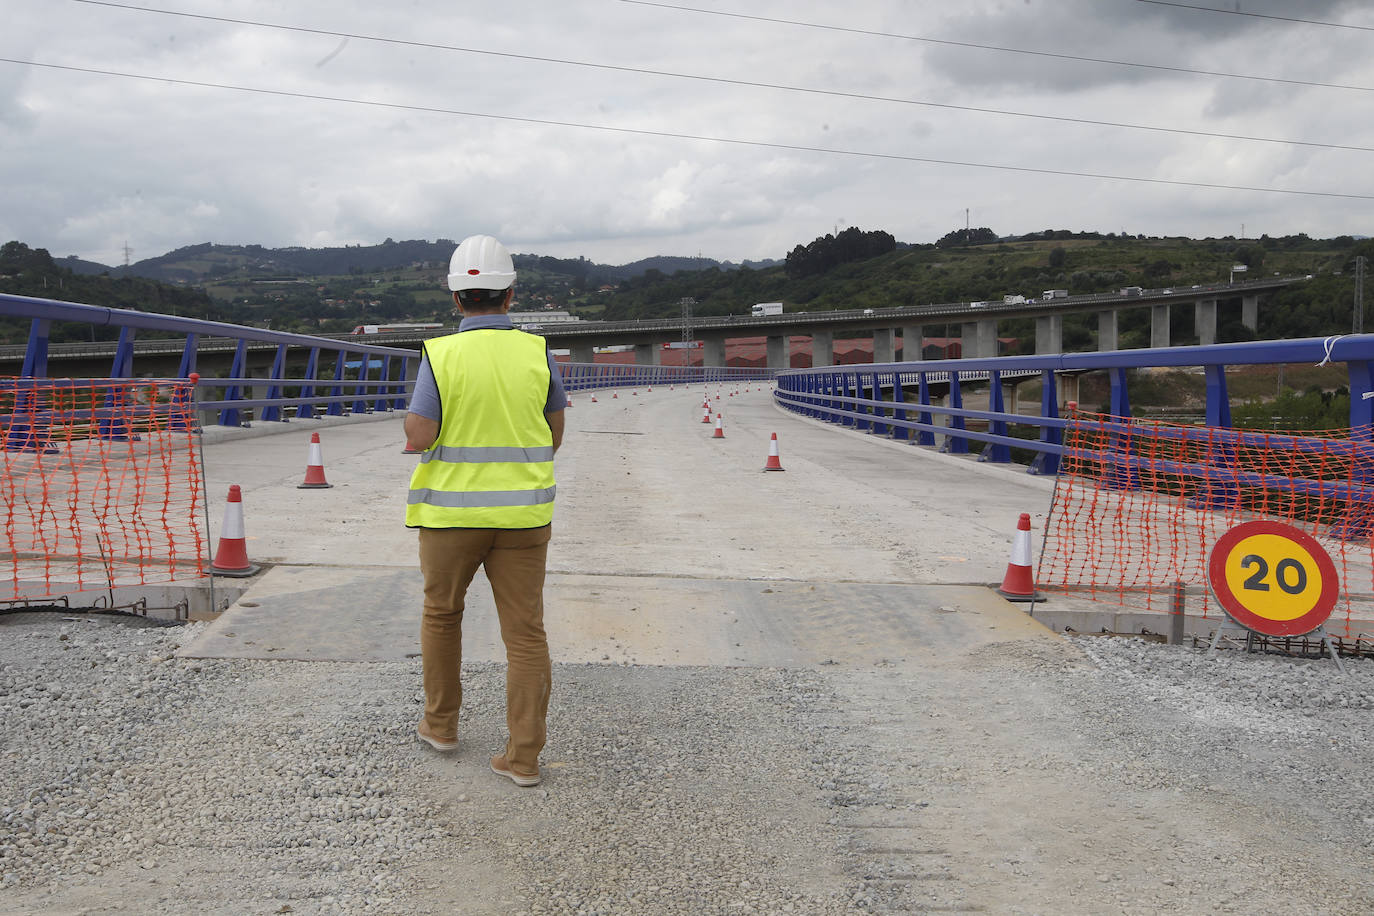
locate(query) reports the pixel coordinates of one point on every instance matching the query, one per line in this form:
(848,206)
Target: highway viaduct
(977,323)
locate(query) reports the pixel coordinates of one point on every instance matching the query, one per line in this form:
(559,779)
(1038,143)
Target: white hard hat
(480,262)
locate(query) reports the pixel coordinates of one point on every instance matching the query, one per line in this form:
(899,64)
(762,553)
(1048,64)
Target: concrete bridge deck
(662,535)
(773,692)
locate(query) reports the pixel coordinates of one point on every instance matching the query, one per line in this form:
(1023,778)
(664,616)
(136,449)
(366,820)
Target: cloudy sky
(621,129)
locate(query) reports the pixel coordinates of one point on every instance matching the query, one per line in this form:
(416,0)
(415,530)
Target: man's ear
(509,298)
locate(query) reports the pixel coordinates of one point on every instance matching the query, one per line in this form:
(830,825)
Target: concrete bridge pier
(823,348)
(1107,335)
(648,355)
(884,345)
(1049,334)
(1068,389)
(913,346)
(979,338)
(582,353)
(778,357)
(713,352)
(1249,312)
(1205,321)
(987,338)
(1159,326)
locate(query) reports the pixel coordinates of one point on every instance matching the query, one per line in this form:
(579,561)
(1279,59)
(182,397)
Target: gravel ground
(1081,776)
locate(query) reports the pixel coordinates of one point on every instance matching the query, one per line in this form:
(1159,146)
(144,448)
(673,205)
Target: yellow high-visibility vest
(492,465)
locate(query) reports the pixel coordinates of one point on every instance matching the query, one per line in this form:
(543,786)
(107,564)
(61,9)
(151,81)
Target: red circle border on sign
(1298,626)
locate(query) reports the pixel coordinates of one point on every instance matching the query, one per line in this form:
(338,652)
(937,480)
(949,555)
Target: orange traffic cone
(720,430)
(410,450)
(774,464)
(593,399)
(231,557)
(314,467)
(615,395)
(1019,583)
(706,413)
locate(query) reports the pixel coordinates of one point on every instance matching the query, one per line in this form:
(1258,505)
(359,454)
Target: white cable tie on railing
(1328,345)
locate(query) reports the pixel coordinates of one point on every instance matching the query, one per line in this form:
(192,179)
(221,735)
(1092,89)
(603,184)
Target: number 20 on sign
(1273,579)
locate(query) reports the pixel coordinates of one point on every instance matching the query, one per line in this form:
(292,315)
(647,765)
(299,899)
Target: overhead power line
(1212,9)
(834,93)
(673,135)
(1001,48)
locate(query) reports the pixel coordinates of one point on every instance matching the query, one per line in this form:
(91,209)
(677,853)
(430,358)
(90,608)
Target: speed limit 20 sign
(1273,579)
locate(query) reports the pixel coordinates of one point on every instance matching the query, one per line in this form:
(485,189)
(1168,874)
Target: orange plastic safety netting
(103,486)
(1139,504)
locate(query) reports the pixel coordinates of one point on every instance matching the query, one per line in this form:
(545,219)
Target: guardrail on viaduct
(895,399)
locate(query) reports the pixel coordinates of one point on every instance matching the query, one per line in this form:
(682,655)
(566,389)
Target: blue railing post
(230,416)
(924,436)
(360,389)
(1047,463)
(1121,475)
(306,410)
(381,404)
(956,444)
(114,425)
(336,393)
(36,353)
(899,408)
(27,430)
(1222,491)
(864,383)
(996,452)
(123,366)
(272,412)
(188,356)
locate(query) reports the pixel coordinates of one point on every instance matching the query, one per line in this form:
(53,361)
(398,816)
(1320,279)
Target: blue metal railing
(396,367)
(876,399)
(344,388)
(589,376)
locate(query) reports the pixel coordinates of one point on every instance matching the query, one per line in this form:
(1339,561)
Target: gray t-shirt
(425,399)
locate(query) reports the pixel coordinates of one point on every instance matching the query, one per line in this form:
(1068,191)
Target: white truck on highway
(767,308)
(1013,300)
(1054,294)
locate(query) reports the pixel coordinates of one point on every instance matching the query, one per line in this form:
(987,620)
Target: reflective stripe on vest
(481,499)
(492,466)
(469,455)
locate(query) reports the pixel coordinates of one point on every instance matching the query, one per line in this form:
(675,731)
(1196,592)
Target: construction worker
(487,414)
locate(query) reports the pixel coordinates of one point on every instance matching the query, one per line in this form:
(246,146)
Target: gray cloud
(89,161)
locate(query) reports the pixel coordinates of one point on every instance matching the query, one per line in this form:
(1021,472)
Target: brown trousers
(514,562)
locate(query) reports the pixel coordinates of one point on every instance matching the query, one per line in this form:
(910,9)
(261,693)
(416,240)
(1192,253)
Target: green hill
(334,289)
